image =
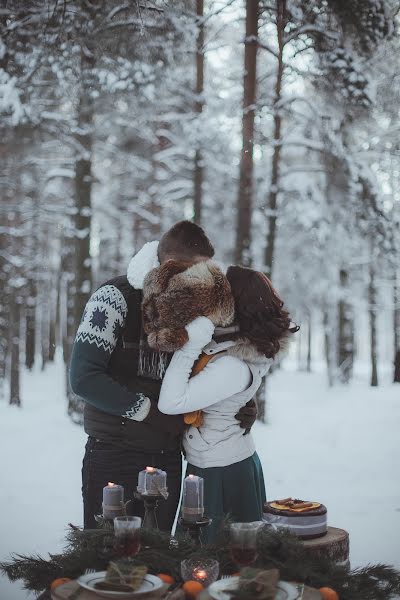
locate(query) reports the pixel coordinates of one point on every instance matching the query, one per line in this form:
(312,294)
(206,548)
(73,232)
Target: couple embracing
(170,357)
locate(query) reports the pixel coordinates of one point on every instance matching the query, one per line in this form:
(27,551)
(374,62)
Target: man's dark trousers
(105,461)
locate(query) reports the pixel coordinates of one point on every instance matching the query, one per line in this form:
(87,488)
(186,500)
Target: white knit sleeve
(220,379)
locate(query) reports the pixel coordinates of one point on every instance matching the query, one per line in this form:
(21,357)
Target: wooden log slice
(334,546)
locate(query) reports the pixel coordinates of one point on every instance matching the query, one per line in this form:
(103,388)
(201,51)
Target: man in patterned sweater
(119,377)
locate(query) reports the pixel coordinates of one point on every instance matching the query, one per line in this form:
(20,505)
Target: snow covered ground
(340,446)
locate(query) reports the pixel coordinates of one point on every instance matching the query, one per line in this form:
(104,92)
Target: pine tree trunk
(198,157)
(4,306)
(345,331)
(83,189)
(372,324)
(15,327)
(329,348)
(52,321)
(309,339)
(276,153)
(299,339)
(245,193)
(44,325)
(30,325)
(67,294)
(82,220)
(396,324)
(261,400)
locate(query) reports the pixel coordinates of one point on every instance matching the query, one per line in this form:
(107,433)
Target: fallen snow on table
(339,446)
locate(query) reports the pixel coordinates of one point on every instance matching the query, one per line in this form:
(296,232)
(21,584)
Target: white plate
(219,589)
(150,584)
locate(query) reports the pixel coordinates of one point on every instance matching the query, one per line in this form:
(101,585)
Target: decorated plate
(219,590)
(149,585)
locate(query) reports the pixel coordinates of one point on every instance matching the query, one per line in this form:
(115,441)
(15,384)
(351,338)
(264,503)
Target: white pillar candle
(152,482)
(193,498)
(113,501)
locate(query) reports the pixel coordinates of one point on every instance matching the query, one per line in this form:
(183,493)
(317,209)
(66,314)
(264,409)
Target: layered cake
(304,519)
(152,482)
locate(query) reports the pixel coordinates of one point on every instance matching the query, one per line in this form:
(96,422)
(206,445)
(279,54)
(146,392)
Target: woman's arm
(220,379)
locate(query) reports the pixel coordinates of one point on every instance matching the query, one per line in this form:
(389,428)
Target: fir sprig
(94,549)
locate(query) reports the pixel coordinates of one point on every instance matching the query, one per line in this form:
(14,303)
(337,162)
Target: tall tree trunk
(329,344)
(83,215)
(44,324)
(198,176)
(83,190)
(245,193)
(15,327)
(345,331)
(52,320)
(372,297)
(309,340)
(30,325)
(5,303)
(276,153)
(299,338)
(396,325)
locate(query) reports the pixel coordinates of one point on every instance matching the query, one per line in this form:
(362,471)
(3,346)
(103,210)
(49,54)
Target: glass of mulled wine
(127,536)
(243,542)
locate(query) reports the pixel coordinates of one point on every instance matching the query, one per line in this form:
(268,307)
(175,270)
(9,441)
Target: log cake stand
(334,546)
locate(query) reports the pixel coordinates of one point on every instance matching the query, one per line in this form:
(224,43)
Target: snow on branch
(310,29)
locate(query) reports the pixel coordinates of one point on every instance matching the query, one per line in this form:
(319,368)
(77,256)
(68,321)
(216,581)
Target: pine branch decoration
(94,549)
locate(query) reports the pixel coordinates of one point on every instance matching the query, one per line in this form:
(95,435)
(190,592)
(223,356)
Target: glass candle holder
(127,536)
(203,570)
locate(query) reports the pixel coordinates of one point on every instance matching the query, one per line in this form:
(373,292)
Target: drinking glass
(243,542)
(127,536)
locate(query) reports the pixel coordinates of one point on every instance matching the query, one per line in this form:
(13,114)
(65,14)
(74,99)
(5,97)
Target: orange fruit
(328,593)
(192,589)
(60,581)
(166,578)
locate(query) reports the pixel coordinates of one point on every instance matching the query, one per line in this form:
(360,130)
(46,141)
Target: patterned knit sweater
(102,322)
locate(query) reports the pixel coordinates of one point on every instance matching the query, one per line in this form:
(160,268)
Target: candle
(200,574)
(193,498)
(113,501)
(152,482)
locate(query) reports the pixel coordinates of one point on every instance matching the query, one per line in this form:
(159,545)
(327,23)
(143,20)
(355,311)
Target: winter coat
(225,385)
(113,370)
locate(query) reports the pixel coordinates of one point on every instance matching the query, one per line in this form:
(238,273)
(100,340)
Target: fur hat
(174,294)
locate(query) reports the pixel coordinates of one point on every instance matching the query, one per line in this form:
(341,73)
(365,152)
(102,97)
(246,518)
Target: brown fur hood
(174,294)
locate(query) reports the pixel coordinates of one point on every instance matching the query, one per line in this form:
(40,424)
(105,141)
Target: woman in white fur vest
(232,369)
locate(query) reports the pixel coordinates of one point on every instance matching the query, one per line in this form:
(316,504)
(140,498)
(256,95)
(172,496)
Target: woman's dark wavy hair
(259,310)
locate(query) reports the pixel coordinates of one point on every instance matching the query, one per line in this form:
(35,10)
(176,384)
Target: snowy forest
(272,123)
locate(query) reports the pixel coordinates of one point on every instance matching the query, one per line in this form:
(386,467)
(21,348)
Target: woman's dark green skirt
(236,492)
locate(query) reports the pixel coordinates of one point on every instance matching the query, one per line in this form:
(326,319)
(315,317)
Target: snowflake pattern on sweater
(102,322)
(103,318)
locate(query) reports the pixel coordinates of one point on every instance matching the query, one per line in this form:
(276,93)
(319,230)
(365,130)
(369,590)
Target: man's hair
(185,240)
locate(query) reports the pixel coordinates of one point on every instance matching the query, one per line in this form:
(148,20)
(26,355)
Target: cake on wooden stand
(309,522)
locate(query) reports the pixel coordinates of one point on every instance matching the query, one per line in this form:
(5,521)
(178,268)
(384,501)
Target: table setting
(127,557)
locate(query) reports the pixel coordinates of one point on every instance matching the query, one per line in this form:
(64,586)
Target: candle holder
(150,502)
(203,570)
(104,522)
(194,528)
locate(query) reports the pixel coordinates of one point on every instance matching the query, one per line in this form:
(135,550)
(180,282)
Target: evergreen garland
(161,553)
